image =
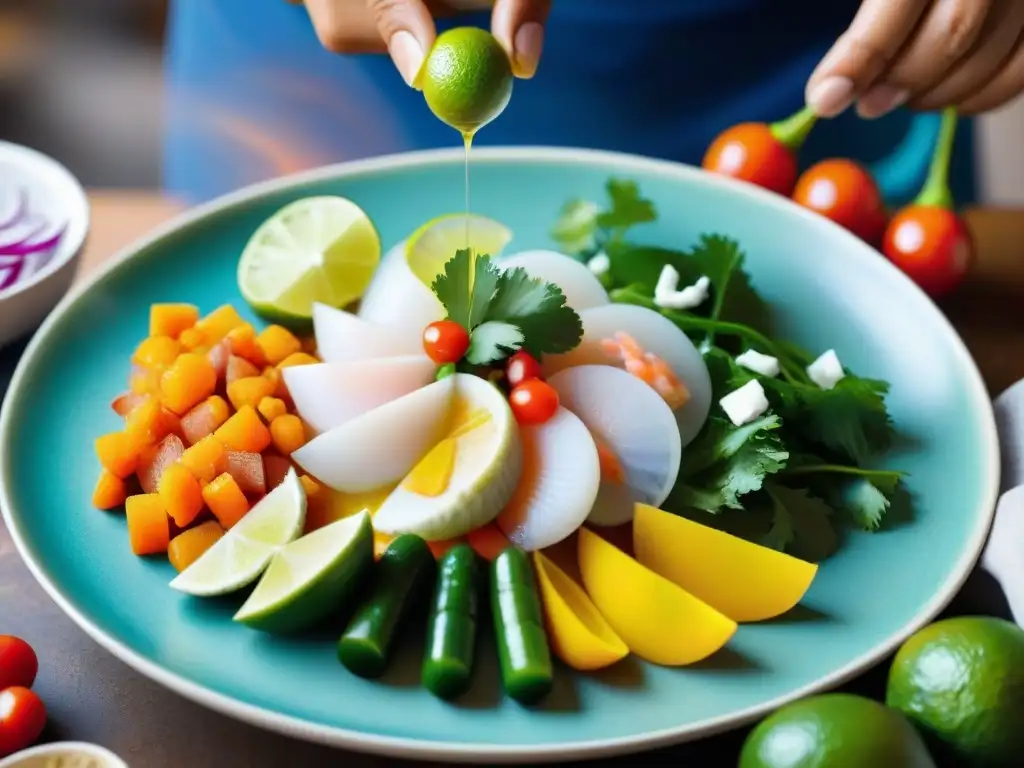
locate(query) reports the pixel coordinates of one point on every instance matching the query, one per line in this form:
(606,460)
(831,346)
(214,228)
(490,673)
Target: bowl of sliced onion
(44,219)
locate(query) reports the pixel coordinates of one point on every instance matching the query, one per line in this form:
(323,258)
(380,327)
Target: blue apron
(251,94)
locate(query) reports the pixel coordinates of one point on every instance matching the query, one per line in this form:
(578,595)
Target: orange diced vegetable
(206,459)
(149,530)
(118,453)
(188,546)
(287,433)
(309,345)
(226,500)
(244,432)
(204,419)
(277,342)
(219,323)
(280,390)
(171,319)
(181,494)
(189,381)
(192,339)
(488,541)
(218,356)
(274,470)
(249,391)
(124,403)
(243,344)
(297,358)
(240,368)
(110,491)
(145,381)
(309,485)
(272,407)
(247,470)
(150,423)
(155,459)
(157,352)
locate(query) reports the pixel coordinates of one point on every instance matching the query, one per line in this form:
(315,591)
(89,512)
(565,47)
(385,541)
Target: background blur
(81,80)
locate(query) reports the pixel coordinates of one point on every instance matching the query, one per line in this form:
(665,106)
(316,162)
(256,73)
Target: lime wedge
(311,577)
(317,249)
(432,245)
(242,554)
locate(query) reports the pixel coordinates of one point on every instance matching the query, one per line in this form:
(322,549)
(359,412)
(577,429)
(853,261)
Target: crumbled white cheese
(754,361)
(668,281)
(688,298)
(745,404)
(826,371)
(599,263)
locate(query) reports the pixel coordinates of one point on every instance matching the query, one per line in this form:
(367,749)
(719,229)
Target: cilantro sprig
(791,478)
(505,310)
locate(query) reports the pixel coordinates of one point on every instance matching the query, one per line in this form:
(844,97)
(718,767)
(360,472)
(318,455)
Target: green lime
(961,681)
(239,557)
(317,249)
(835,730)
(433,244)
(311,577)
(467,79)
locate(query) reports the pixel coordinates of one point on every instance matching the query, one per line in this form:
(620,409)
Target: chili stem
(840,469)
(794,130)
(935,192)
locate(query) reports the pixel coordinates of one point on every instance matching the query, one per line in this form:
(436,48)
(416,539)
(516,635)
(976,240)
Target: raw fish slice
(327,395)
(342,337)
(655,334)
(581,287)
(396,298)
(380,447)
(558,484)
(633,427)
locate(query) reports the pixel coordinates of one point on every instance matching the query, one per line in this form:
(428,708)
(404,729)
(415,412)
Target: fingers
(519,27)
(1007,85)
(862,53)
(408,29)
(947,33)
(975,70)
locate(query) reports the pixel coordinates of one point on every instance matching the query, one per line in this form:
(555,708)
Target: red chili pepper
(762,154)
(927,239)
(845,192)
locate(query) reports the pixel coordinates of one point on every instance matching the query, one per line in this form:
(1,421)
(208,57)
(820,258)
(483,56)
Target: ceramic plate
(829,289)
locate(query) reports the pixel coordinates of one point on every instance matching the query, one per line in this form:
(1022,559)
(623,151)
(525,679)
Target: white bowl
(64,754)
(54,198)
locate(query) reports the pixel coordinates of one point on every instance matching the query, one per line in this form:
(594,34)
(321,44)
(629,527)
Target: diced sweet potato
(110,491)
(226,500)
(157,352)
(271,407)
(144,381)
(149,530)
(181,494)
(249,391)
(240,368)
(150,423)
(192,339)
(155,459)
(274,470)
(124,403)
(171,319)
(188,546)
(247,470)
(280,389)
(218,357)
(204,419)
(287,433)
(118,453)
(188,382)
(297,358)
(206,459)
(277,342)
(219,323)
(244,432)
(243,345)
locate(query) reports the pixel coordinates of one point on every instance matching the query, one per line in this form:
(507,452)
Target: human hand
(929,54)
(405,28)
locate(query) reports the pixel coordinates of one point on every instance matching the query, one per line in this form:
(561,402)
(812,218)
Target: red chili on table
(18,662)
(845,192)
(22,719)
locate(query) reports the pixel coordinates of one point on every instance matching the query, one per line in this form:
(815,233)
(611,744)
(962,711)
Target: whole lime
(467,78)
(961,681)
(834,730)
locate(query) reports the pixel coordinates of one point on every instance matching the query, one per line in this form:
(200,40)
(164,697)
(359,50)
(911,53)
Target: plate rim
(411,748)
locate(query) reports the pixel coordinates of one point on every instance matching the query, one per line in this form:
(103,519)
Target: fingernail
(831,96)
(528,44)
(407,54)
(881,100)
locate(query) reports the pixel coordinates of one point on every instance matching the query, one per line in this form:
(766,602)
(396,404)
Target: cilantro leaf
(802,522)
(628,208)
(575,230)
(493,340)
(640,266)
(485,285)
(583,227)
(453,287)
(538,309)
(735,300)
(850,419)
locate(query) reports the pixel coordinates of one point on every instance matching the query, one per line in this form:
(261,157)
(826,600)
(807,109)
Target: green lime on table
(835,730)
(244,552)
(317,249)
(466,79)
(311,577)
(961,680)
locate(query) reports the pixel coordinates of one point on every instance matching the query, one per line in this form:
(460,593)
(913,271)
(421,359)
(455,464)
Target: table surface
(92,696)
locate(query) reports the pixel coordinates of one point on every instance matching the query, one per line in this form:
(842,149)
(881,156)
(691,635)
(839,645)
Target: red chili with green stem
(927,239)
(763,154)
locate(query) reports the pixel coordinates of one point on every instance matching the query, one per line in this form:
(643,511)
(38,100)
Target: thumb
(407,27)
(519,27)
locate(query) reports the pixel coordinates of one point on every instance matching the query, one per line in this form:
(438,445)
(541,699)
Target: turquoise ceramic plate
(830,291)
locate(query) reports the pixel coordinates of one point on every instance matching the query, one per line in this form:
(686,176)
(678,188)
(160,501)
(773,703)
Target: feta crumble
(599,264)
(745,404)
(754,361)
(688,298)
(826,371)
(667,283)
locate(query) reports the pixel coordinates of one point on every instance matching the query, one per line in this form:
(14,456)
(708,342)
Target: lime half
(311,577)
(317,249)
(430,247)
(242,554)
